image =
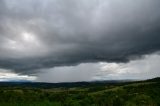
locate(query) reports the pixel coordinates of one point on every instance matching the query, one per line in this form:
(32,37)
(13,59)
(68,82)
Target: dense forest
(137,93)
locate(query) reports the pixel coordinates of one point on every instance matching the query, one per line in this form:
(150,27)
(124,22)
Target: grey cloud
(43,34)
(145,68)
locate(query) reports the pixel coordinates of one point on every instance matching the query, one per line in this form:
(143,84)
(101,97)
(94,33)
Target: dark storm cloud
(48,33)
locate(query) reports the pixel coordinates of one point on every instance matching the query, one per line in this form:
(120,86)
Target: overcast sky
(79,40)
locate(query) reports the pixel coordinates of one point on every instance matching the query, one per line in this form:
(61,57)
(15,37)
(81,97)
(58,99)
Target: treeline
(135,94)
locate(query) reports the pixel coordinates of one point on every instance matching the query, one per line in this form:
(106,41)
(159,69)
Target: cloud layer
(8,75)
(145,68)
(48,33)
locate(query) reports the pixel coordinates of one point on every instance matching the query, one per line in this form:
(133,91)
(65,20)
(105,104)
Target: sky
(79,40)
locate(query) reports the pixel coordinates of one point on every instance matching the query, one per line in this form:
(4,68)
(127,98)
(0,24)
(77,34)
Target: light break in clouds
(147,67)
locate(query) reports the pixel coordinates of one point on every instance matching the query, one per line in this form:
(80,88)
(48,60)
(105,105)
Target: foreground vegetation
(142,93)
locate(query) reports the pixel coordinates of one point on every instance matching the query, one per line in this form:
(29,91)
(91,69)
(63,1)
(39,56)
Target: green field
(140,93)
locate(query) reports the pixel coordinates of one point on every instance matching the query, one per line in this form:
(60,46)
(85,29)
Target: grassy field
(140,93)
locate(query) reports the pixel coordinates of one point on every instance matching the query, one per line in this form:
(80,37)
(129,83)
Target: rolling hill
(101,93)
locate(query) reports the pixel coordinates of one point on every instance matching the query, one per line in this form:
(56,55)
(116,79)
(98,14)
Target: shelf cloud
(49,33)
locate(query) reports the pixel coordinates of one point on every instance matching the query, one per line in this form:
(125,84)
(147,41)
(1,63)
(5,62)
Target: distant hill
(67,84)
(62,84)
(154,79)
(97,93)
